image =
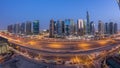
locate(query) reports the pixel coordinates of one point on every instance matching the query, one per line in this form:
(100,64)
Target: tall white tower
(80,27)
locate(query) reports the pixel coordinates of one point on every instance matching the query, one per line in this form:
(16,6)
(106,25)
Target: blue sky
(18,11)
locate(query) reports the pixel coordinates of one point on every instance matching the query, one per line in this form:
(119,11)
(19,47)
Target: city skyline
(60,34)
(23,12)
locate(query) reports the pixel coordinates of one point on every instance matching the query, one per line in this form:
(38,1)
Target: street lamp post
(118,1)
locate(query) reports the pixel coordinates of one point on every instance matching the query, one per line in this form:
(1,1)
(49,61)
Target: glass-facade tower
(36,27)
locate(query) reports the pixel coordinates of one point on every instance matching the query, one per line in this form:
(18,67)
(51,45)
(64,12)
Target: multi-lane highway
(82,53)
(61,46)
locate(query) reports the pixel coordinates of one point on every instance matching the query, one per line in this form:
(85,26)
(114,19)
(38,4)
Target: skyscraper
(72,27)
(60,27)
(100,27)
(36,27)
(28,28)
(106,28)
(55,29)
(52,28)
(92,28)
(88,23)
(17,28)
(14,28)
(63,27)
(10,28)
(111,28)
(84,21)
(115,28)
(80,27)
(67,27)
(22,28)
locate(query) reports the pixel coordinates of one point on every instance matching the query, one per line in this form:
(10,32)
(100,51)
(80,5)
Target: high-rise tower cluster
(107,28)
(68,27)
(27,28)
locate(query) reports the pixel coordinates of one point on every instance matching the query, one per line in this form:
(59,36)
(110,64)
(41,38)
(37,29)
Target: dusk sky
(18,11)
